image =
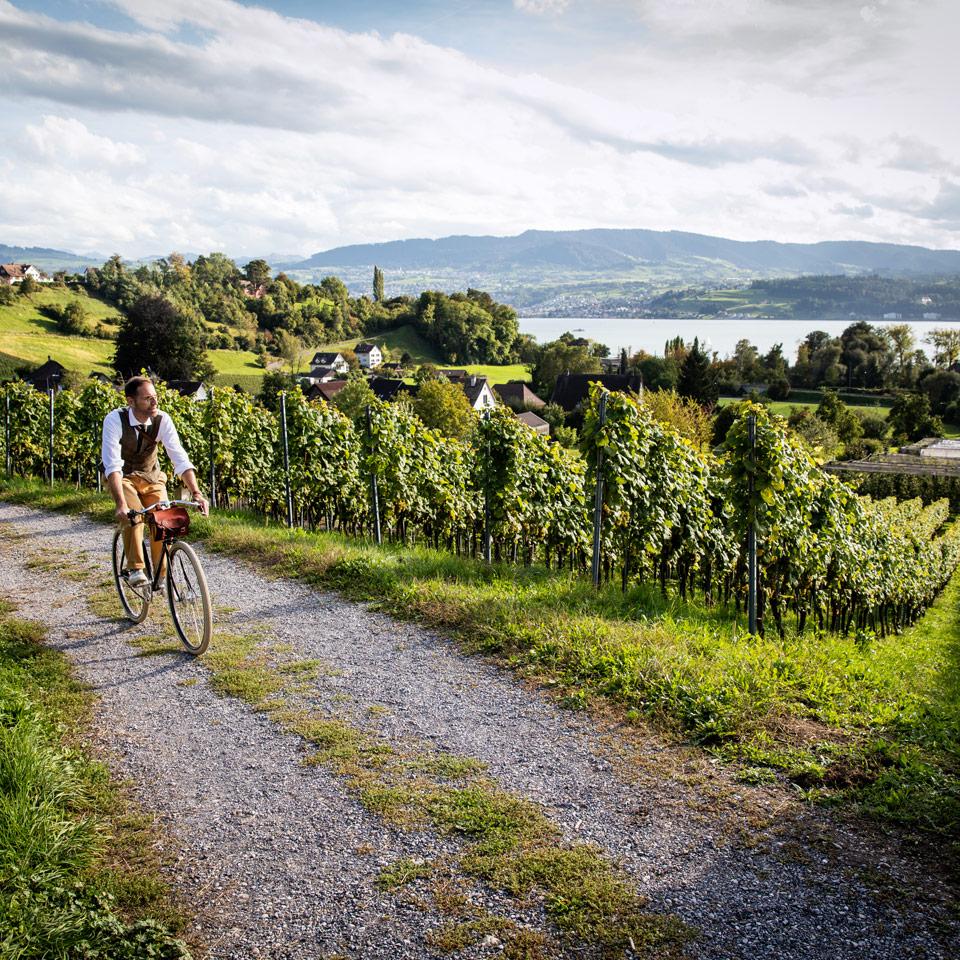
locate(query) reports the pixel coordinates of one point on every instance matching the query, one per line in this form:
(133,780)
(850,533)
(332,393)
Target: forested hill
(47,258)
(620,251)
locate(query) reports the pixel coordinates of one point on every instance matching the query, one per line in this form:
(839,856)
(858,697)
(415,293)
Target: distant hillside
(617,251)
(47,259)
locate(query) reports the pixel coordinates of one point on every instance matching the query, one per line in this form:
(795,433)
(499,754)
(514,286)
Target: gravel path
(282,859)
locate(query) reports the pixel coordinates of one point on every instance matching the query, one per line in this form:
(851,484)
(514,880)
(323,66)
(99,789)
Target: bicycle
(186,584)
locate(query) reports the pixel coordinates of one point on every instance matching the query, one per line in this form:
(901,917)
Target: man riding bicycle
(129,453)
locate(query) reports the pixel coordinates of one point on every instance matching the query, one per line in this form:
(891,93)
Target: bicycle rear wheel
(135,601)
(189,598)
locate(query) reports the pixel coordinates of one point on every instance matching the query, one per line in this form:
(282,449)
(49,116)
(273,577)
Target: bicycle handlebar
(163,505)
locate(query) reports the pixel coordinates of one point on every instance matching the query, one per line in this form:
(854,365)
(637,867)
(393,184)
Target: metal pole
(374,488)
(598,499)
(213,454)
(286,455)
(752,533)
(487,537)
(7,438)
(50,394)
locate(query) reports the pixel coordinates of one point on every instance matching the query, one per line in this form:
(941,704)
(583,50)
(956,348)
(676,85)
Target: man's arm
(112,463)
(115,486)
(170,439)
(189,477)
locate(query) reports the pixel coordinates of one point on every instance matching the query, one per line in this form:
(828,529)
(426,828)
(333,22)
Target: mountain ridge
(625,250)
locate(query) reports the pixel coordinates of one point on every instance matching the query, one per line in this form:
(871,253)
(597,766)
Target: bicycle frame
(166,543)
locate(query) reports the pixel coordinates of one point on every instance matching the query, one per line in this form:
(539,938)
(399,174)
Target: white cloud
(65,138)
(540,7)
(249,131)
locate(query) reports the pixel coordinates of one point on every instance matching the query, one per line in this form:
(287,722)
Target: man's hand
(198,497)
(120,515)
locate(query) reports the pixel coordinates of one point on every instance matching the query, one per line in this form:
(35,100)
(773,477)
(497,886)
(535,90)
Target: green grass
(785,408)
(32,337)
(404,339)
(77,863)
(872,723)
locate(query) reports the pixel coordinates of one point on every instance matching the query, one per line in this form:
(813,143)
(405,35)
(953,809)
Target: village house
(479,393)
(325,390)
(368,355)
(48,376)
(387,389)
(11,273)
(195,389)
(518,396)
(571,390)
(327,359)
(253,291)
(320,375)
(529,419)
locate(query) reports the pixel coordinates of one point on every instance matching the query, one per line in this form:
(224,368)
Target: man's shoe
(137,578)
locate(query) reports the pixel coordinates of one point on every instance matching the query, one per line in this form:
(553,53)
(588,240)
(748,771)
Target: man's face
(145,402)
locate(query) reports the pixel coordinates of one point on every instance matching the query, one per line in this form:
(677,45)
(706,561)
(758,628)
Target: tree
(72,319)
(946,344)
(697,379)
(274,383)
(377,285)
(28,287)
(156,334)
(355,397)
(903,342)
(844,422)
(258,272)
(559,357)
(444,407)
(289,349)
(910,418)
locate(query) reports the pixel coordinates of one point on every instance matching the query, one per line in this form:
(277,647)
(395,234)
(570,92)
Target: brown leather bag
(170,523)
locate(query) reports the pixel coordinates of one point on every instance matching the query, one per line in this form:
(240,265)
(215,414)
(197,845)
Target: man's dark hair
(131,387)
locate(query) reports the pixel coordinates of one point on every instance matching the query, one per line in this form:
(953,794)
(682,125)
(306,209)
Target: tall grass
(57,895)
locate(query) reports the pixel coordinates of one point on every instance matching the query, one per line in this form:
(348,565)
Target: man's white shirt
(167,435)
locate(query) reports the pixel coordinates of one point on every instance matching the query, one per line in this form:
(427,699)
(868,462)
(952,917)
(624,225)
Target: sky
(286,128)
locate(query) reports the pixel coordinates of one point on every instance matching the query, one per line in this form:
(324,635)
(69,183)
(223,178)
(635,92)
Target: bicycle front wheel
(189,598)
(135,602)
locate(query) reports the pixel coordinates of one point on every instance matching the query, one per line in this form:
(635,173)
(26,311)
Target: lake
(720,335)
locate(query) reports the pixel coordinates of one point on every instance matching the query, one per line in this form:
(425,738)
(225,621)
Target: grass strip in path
(78,872)
(868,722)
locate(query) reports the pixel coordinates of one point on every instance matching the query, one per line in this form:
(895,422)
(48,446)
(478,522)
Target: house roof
(572,388)
(534,422)
(186,388)
(452,374)
(46,375)
(325,359)
(13,269)
(326,391)
(386,389)
(518,394)
(365,347)
(318,373)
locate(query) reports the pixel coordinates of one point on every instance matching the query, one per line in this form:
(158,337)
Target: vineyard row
(668,512)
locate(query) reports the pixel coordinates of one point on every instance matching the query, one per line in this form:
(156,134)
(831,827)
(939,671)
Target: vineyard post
(487,538)
(286,455)
(96,458)
(213,453)
(374,488)
(9,455)
(50,395)
(752,532)
(598,497)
